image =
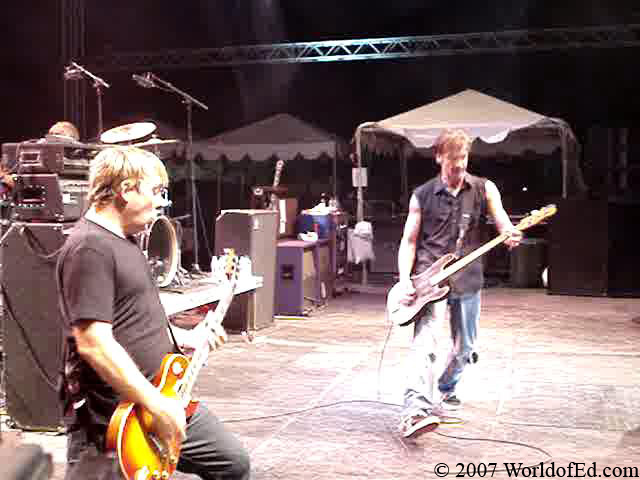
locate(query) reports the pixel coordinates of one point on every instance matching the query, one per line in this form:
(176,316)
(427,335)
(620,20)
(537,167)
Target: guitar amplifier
(46,156)
(49,198)
(591,250)
(252,233)
(303,276)
(32,327)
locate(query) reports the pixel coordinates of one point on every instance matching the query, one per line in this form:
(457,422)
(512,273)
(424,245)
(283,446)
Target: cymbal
(155,141)
(128,133)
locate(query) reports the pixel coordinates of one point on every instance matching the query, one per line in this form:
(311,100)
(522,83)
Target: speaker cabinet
(303,275)
(252,233)
(32,332)
(591,249)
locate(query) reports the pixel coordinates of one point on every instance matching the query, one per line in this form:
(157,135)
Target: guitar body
(426,292)
(139,452)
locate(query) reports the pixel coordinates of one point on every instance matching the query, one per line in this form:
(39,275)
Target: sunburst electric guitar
(431,285)
(140,453)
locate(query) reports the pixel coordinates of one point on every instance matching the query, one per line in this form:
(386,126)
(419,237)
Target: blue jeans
(463,319)
(464,315)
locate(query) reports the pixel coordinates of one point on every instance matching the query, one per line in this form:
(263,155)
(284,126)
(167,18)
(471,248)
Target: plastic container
(321,224)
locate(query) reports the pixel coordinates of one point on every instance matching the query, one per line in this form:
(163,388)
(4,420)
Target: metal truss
(73,43)
(615,36)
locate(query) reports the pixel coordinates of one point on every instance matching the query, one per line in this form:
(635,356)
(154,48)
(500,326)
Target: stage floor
(557,381)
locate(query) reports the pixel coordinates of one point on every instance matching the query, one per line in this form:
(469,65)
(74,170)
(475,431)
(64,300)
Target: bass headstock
(537,216)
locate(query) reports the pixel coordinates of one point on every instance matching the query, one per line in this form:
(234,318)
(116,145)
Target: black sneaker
(450,401)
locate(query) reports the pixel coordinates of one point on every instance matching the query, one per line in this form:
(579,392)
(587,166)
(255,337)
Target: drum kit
(140,134)
(160,240)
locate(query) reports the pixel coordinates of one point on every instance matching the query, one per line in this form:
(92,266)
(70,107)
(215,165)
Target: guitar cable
(449,421)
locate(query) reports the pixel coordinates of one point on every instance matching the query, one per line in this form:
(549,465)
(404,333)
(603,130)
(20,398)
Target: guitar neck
(534,218)
(276,177)
(199,358)
(467,259)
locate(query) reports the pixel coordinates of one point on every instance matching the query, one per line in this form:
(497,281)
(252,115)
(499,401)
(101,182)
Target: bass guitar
(431,286)
(141,454)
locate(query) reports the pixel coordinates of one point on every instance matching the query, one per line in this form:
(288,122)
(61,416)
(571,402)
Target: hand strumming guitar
(168,421)
(409,291)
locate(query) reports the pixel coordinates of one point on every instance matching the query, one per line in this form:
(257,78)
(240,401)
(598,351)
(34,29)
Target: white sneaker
(418,422)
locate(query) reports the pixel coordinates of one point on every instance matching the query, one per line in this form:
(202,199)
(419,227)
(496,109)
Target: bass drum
(159,243)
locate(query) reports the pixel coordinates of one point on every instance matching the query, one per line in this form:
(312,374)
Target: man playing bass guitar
(445,215)
(117,333)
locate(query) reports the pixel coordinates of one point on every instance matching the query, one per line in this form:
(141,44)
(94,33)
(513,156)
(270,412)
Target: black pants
(210,451)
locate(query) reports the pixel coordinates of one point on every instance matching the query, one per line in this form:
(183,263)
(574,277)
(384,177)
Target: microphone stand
(188,101)
(98,84)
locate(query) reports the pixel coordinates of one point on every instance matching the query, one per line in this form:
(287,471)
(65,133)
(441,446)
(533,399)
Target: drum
(159,242)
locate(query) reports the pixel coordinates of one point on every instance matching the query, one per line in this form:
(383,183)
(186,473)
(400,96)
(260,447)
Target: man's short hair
(115,164)
(65,129)
(452,141)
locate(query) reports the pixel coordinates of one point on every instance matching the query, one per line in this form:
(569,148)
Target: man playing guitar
(117,333)
(445,215)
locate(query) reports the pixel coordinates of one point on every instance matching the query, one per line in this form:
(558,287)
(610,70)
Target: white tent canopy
(281,135)
(500,126)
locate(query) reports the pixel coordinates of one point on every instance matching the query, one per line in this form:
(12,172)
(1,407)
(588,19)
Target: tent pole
(219,192)
(335,170)
(565,160)
(360,198)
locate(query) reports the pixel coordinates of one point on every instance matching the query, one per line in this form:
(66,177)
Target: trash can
(526,263)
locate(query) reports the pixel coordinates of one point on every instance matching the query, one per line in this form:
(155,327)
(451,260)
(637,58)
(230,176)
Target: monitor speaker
(32,332)
(252,233)
(591,249)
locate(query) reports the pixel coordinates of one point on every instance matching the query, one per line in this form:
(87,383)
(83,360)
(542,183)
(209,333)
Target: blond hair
(113,165)
(65,129)
(452,141)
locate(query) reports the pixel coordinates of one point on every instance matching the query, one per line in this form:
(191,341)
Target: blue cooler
(322,224)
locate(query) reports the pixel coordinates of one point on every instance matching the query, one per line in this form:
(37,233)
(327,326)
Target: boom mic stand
(75,72)
(188,101)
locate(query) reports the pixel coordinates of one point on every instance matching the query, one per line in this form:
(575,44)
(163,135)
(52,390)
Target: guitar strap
(468,201)
(173,338)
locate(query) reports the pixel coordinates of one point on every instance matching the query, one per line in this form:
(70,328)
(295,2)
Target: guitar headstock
(536,216)
(231,265)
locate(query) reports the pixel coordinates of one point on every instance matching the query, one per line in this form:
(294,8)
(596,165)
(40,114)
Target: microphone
(144,81)
(71,73)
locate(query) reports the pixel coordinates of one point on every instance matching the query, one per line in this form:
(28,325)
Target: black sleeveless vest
(442,216)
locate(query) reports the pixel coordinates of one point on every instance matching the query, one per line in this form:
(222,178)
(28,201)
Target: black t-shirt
(439,231)
(106,278)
